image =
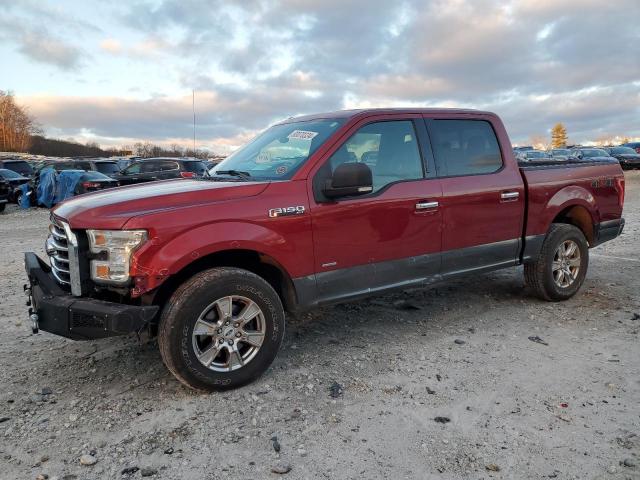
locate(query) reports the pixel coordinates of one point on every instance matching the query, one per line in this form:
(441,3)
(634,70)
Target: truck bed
(597,185)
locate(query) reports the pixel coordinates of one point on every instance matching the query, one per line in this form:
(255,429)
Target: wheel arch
(263,265)
(580,217)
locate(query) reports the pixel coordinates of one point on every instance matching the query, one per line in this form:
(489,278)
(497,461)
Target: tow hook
(35,327)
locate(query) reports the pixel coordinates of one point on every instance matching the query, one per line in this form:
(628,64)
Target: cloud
(46,49)
(535,62)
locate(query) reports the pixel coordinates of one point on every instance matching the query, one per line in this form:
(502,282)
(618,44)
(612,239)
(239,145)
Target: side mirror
(579,156)
(349,179)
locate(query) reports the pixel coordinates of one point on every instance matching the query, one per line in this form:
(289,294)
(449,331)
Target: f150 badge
(286,211)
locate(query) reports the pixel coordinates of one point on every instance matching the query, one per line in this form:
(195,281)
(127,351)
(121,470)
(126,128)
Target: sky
(120,72)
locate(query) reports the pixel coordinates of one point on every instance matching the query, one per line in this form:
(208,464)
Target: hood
(112,208)
(628,156)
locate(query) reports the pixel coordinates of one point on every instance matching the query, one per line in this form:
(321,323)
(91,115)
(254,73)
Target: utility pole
(193,106)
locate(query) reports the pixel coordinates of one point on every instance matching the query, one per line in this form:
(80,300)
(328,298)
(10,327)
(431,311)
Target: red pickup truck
(315,210)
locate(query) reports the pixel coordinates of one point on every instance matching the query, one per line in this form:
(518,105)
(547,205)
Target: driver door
(390,237)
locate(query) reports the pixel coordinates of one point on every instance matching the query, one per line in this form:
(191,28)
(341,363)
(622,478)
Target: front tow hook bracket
(35,327)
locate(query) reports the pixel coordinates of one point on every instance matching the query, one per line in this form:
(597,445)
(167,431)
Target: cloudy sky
(118,72)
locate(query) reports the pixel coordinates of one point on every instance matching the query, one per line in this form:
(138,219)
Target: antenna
(193,106)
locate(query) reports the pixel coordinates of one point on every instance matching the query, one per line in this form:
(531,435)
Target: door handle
(427,205)
(509,195)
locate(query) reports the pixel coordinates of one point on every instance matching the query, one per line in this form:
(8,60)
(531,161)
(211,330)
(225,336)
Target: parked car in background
(627,156)
(151,169)
(4,194)
(17,165)
(14,180)
(93,181)
(523,149)
(586,153)
(532,155)
(106,167)
(634,145)
(559,153)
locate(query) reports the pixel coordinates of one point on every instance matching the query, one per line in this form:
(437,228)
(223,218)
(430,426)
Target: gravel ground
(355,390)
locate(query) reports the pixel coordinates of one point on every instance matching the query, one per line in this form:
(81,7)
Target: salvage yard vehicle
(296,219)
(152,169)
(5,193)
(627,156)
(14,180)
(17,165)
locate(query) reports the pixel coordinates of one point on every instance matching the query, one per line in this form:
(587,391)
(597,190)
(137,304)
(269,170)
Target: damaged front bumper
(56,311)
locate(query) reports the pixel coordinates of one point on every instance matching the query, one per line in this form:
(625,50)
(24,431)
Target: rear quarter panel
(552,190)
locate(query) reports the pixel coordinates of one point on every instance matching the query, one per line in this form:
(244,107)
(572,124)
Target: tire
(18,197)
(201,301)
(2,207)
(546,275)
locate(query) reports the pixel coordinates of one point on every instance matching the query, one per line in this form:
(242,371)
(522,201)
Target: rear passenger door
(482,195)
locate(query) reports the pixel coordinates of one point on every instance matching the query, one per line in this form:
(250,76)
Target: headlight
(116,247)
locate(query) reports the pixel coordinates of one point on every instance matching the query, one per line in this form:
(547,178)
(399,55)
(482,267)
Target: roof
(378,111)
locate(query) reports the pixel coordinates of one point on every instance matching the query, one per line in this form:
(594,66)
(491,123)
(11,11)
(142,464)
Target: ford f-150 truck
(315,210)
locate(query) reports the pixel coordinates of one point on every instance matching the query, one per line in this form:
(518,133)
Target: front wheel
(221,329)
(561,266)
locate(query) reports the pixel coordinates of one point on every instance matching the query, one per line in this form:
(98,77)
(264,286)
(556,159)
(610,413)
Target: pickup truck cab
(316,210)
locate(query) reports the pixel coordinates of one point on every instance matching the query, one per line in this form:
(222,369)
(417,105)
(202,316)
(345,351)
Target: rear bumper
(78,318)
(608,230)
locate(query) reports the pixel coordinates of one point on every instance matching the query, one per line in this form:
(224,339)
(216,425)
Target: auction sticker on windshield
(302,134)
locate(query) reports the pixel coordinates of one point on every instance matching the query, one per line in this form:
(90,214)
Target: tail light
(90,185)
(187,174)
(620,190)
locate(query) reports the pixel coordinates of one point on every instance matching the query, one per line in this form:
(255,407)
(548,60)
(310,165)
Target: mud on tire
(211,307)
(553,275)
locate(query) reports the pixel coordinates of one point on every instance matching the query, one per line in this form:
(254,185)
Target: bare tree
(16,125)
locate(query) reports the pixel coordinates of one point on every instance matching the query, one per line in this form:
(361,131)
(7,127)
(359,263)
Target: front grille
(58,251)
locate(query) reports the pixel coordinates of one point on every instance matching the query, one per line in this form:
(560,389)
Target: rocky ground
(442,383)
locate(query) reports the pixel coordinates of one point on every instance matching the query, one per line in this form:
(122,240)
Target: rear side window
(390,149)
(167,165)
(195,167)
(108,168)
(464,147)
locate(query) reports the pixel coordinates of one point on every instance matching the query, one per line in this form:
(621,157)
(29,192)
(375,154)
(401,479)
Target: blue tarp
(25,201)
(67,183)
(46,192)
(53,187)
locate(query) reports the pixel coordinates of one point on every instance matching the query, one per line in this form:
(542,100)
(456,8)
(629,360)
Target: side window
(150,166)
(168,165)
(465,147)
(390,149)
(133,169)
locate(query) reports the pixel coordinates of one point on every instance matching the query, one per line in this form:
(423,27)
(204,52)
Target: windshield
(594,152)
(23,168)
(623,151)
(9,174)
(560,151)
(108,168)
(533,154)
(280,150)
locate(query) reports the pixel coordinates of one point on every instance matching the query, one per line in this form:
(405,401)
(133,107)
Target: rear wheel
(221,329)
(2,206)
(561,266)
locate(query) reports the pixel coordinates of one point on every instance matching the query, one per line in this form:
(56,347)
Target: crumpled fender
(156,262)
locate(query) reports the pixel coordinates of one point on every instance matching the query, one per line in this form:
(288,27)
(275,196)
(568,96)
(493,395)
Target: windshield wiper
(233,173)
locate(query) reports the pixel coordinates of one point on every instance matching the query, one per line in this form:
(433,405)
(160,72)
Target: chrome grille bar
(62,248)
